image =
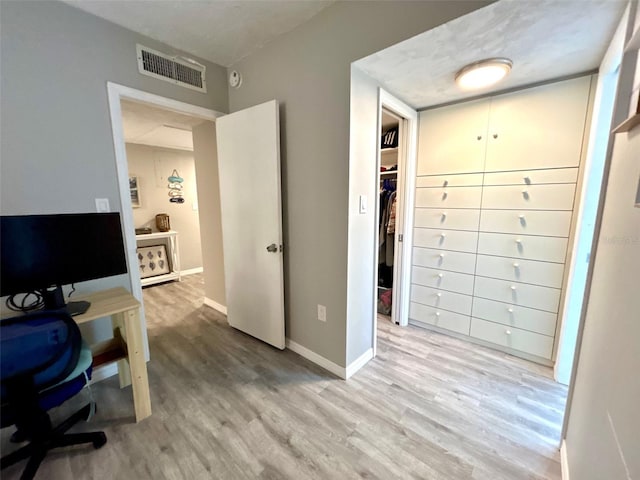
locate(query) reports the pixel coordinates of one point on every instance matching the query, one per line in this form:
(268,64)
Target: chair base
(54,438)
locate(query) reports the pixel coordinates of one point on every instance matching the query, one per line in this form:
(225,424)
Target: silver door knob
(273,248)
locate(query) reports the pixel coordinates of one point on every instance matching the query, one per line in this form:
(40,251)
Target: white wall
(205,152)
(603,427)
(309,71)
(152,166)
(56,144)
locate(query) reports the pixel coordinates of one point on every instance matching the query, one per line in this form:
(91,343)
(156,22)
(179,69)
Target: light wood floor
(226,406)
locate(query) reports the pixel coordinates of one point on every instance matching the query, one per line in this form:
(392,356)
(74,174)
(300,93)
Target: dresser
(495,191)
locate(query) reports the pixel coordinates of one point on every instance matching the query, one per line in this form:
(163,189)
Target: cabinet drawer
(527,222)
(546,274)
(456,219)
(547,249)
(529,197)
(532,177)
(457,240)
(454,197)
(440,318)
(514,316)
(522,340)
(443,181)
(443,260)
(521,294)
(451,281)
(454,302)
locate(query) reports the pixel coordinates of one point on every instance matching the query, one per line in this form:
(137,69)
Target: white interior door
(251,207)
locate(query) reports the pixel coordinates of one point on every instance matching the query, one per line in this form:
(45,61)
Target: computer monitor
(41,253)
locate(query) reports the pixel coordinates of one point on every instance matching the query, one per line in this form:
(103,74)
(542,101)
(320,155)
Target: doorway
(395,184)
(117,94)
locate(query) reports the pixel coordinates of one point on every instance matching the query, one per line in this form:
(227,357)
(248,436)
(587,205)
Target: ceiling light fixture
(483,73)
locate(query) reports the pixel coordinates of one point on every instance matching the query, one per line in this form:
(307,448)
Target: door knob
(273,248)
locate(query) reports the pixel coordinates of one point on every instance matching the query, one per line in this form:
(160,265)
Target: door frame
(116,93)
(407,160)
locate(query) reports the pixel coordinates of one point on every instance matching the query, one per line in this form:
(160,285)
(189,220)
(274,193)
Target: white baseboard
(191,271)
(317,359)
(215,305)
(104,371)
(564,461)
(359,362)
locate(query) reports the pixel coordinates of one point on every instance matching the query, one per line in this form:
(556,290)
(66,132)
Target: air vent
(184,72)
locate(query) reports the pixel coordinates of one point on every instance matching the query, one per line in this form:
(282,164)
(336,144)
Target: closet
(387,211)
(495,189)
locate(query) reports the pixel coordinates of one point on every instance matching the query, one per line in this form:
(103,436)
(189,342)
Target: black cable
(73,289)
(36,304)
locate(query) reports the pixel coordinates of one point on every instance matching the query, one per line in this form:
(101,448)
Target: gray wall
(603,434)
(152,166)
(308,71)
(56,147)
(205,152)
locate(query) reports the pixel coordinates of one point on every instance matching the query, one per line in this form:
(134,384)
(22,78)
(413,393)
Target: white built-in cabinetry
(170,241)
(494,200)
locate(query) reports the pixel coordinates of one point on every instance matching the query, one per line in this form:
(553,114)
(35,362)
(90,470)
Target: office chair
(44,363)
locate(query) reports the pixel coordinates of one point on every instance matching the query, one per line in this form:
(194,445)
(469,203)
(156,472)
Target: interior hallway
(230,407)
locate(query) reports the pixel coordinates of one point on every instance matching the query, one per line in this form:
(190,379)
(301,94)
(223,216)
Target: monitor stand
(54,300)
(78,308)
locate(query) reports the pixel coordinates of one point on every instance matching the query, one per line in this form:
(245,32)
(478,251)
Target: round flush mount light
(483,73)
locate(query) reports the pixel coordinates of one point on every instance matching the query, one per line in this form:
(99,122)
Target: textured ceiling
(221,31)
(546,39)
(147,125)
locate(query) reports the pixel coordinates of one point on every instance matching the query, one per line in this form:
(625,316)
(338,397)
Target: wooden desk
(126,346)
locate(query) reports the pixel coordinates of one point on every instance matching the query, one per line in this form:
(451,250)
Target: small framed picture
(134,191)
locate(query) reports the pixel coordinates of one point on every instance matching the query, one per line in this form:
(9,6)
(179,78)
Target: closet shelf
(388,173)
(384,151)
(629,124)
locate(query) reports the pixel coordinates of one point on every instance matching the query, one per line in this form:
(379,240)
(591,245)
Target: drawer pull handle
(444,214)
(437,314)
(446,182)
(527,180)
(440,275)
(445,194)
(516,265)
(438,294)
(442,235)
(508,332)
(518,241)
(525,194)
(441,255)
(510,310)
(521,217)
(513,287)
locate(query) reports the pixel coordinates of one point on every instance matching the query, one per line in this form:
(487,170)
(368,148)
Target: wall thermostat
(235,79)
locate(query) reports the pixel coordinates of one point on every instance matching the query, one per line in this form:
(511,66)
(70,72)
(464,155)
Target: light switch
(363,204)
(102,205)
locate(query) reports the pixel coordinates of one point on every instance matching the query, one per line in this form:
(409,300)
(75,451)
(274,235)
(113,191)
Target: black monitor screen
(41,251)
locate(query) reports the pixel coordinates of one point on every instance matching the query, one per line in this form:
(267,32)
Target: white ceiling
(546,39)
(147,125)
(221,31)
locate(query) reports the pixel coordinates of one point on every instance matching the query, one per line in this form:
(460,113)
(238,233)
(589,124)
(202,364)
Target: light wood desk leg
(124,372)
(138,365)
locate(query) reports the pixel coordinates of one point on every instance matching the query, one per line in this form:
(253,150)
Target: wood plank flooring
(226,406)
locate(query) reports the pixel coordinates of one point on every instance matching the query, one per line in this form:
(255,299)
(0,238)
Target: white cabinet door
(529,342)
(540,127)
(249,164)
(440,318)
(449,219)
(444,260)
(452,139)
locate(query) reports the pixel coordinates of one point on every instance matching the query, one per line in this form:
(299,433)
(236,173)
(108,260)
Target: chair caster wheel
(100,441)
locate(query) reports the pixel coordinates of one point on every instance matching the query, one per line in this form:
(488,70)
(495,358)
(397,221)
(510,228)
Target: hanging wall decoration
(175,187)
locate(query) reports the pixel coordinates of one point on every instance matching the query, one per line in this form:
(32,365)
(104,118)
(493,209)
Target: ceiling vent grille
(177,70)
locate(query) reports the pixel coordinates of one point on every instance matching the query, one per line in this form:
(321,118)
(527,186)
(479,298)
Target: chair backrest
(43,347)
